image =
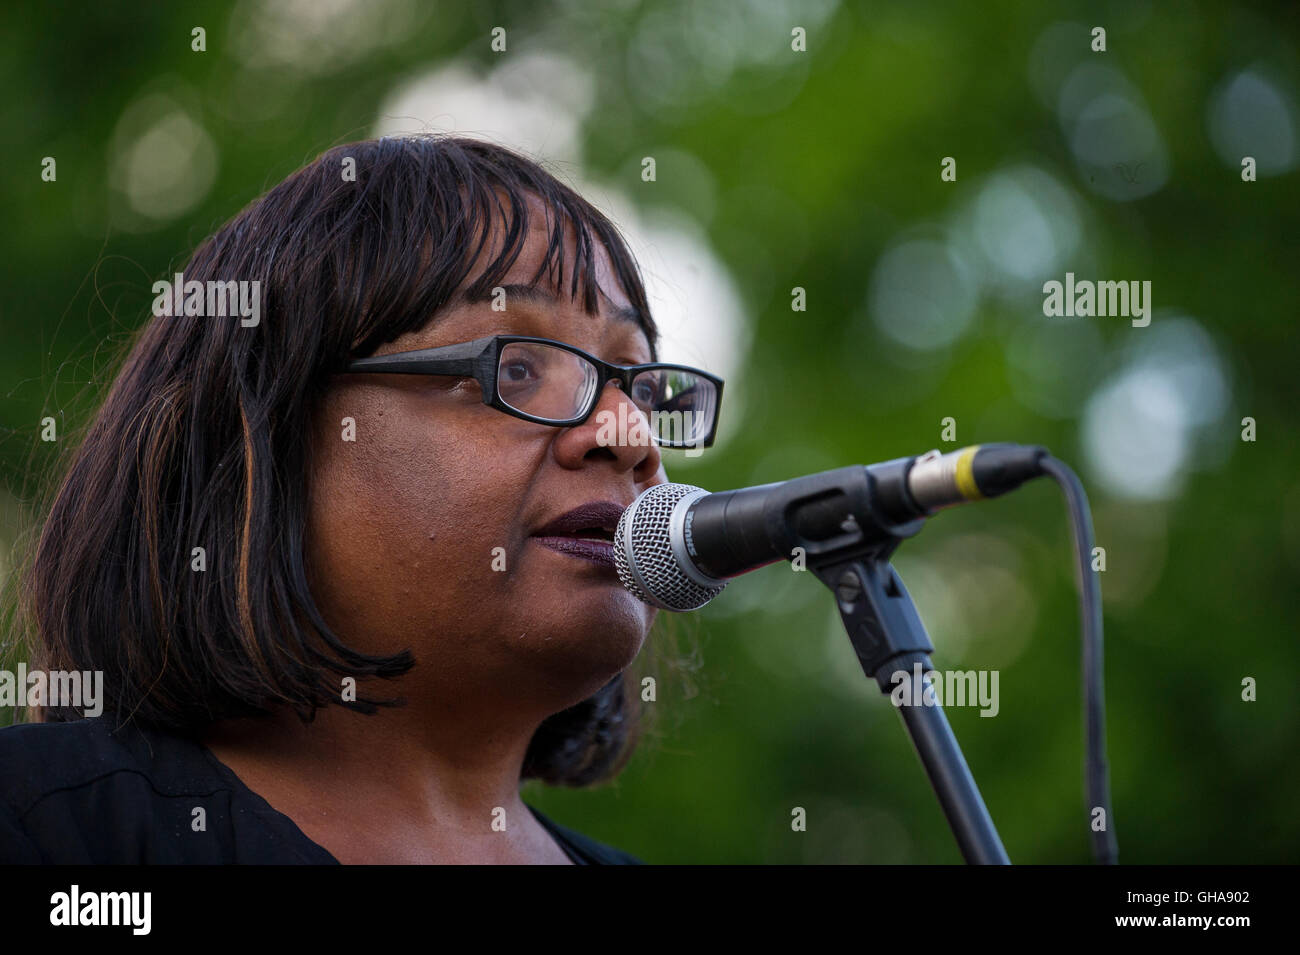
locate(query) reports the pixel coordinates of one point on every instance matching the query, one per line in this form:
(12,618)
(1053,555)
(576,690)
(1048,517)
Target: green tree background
(815,168)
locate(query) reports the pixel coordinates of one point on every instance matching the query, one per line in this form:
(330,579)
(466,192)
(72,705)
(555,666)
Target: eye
(516,371)
(685,400)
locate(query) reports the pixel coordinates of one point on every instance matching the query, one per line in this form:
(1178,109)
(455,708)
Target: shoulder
(88,792)
(585,849)
(40,758)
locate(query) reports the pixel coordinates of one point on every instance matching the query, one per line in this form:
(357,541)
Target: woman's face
(421,530)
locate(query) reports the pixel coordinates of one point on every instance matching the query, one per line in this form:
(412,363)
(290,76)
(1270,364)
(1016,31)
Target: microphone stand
(888,636)
(851,557)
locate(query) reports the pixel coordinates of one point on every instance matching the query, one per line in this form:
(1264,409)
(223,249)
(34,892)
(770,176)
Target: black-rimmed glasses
(554,383)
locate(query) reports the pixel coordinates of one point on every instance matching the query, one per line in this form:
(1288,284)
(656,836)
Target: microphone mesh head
(643,552)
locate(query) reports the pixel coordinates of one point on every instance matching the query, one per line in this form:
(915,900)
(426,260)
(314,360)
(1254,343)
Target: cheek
(387,511)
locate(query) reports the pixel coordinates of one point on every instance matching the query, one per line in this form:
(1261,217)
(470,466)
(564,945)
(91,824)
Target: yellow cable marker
(966,475)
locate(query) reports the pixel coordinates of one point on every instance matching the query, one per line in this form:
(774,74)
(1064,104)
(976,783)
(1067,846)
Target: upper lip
(600,517)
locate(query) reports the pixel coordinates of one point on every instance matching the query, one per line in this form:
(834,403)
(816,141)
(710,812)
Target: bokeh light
(162,163)
(1249,116)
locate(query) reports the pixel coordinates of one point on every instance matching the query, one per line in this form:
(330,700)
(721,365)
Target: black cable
(1105,848)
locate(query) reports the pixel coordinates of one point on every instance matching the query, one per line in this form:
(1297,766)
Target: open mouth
(587,534)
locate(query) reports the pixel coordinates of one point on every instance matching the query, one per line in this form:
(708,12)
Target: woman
(270,523)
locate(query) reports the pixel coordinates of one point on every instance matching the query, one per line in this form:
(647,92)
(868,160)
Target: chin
(581,652)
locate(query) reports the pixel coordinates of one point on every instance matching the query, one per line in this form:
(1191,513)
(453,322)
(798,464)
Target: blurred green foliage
(813,165)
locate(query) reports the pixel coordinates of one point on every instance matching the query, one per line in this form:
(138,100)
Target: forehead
(543,303)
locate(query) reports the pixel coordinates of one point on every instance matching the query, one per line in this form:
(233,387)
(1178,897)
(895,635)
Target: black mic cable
(982,471)
(1105,847)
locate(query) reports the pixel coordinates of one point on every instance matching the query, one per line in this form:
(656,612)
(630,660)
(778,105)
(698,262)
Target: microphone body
(677,545)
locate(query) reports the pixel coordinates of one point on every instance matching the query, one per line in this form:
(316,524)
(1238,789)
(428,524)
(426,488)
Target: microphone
(677,545)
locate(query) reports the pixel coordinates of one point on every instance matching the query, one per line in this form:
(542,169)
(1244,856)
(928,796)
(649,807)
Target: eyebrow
(539,295)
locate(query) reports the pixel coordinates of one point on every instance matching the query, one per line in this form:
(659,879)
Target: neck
(442,778)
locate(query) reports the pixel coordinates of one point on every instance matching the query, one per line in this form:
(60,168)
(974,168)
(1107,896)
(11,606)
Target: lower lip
(597,552)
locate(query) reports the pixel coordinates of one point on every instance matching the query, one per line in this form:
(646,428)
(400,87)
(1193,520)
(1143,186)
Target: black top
(79,793)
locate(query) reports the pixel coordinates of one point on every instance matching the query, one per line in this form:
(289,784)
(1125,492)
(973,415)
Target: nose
(616,429)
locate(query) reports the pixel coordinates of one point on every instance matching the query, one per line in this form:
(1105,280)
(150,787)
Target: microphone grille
(644,555)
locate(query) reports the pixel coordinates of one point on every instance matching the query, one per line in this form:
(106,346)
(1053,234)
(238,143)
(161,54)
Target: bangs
(421,213)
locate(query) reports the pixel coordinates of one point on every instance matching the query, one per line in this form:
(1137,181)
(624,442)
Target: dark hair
(202,438)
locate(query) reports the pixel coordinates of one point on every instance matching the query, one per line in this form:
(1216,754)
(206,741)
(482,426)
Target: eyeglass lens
(558,385)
